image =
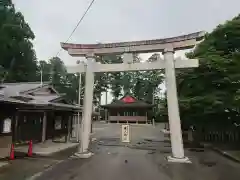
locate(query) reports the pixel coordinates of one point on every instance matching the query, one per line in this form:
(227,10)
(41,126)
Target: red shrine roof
(128,101)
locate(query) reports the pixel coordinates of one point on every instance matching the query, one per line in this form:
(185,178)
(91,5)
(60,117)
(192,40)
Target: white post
(173,109)
(79,103)
(87,109)
(153,122)
(41,74)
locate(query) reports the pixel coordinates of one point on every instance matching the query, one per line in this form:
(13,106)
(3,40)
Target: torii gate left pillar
(83,151)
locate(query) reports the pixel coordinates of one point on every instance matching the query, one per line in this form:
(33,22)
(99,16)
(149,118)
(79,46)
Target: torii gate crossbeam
(160,64)
(167,46)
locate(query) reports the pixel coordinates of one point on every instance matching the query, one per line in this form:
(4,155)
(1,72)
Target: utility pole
(106,113)
(41,73)
(154,109)
(41,76)
(153,99)
(106,98)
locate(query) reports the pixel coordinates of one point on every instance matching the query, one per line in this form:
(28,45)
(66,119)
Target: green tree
(17,56)
(211,91)
(112,79)
(58,74)
(54,71)
(72,87)
(44,70)
(101,82)
(142,84)
(146,85)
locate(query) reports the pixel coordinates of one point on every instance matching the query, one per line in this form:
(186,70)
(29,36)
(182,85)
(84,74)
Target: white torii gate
(167,47)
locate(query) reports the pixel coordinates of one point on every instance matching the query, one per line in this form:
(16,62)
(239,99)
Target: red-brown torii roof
(196,35)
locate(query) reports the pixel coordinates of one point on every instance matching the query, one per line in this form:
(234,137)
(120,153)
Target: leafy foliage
(17,57)
(211,91)
(142,84)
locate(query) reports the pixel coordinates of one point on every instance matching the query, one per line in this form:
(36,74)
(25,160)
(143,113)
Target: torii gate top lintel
(145,46)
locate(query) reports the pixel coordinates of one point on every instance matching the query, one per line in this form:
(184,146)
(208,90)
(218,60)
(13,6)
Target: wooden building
(128,110)
(33,111)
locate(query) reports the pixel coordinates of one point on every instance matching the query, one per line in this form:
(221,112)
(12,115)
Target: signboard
(7,125)
(125,133)
(58,123)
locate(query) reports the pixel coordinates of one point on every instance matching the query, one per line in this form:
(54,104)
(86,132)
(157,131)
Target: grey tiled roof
(46,98)
(15,93)
(11,100)
(10,89)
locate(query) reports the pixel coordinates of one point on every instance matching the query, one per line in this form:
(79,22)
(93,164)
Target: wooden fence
(218,136)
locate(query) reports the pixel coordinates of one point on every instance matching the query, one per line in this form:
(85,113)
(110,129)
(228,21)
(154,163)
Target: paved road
(144,158)
(24,167)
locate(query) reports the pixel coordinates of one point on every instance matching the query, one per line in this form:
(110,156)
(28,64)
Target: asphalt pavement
(24,167)
(142,159)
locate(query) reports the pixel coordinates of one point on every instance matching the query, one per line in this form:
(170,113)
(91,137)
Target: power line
(83,16)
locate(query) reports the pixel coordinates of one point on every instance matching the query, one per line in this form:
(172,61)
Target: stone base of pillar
(178,160)
(83,155)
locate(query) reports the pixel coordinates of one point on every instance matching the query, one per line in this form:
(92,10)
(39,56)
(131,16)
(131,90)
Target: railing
(218,136)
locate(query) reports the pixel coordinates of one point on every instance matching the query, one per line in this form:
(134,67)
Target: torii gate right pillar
(173,108)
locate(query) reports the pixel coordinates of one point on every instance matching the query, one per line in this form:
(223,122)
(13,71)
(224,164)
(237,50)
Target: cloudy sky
(119,20)
(116,20)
